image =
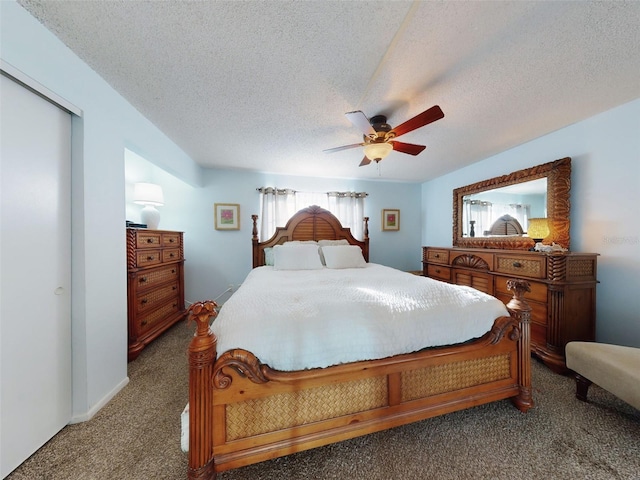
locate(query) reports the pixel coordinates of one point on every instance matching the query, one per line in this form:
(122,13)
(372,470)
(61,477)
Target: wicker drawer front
(147,258)
(147,321)
(156,276)
(533,267)
(437,256)
(171,255)
(153,298)
(441,273)
(538,291)
(171,239)
(146,239)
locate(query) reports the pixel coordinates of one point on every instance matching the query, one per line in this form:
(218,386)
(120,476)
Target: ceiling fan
(379,137)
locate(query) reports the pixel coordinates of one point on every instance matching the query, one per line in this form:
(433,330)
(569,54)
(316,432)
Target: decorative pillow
(330,243)
(268,256)
(296,257)
(343,256)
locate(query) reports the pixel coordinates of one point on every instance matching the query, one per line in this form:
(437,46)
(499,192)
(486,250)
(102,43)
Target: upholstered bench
(612,367)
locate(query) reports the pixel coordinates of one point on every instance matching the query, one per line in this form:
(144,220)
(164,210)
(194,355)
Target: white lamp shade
(377,151)
(148,194)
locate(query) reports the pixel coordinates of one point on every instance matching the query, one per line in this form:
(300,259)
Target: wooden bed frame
(243,412)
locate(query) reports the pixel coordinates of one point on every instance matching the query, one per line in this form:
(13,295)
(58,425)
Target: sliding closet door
(35,260)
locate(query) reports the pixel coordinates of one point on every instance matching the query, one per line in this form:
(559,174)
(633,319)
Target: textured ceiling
(265,85)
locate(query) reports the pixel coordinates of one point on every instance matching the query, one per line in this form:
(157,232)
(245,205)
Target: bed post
(254,241)
(521,311)
(202,356)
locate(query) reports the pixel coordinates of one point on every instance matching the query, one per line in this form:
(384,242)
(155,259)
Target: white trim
(36,87)
(106,399)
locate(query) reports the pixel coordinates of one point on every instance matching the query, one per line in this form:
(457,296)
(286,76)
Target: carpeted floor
(137,437)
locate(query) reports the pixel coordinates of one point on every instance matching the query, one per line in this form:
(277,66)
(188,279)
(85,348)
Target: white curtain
(349,208)
(277,206)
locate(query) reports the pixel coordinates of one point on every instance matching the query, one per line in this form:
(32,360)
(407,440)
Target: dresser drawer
(151,299)
(156,276)
(479,281)
(148,258)
(152,318)
(538,310)
(437,256)
(439,272)
(171,239)
(538,291)
(171,255)
(148,239)
(521,266)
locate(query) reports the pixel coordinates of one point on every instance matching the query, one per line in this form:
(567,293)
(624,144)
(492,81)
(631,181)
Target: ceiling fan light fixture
(377,151)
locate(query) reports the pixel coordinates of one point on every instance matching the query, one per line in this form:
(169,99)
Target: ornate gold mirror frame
(558,174)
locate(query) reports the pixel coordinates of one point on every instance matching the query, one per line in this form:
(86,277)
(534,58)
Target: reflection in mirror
(504,211)
(515,199)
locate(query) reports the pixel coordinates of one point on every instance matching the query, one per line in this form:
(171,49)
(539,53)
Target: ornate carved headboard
(311,223)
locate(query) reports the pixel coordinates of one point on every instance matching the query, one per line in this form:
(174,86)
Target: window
(277,206)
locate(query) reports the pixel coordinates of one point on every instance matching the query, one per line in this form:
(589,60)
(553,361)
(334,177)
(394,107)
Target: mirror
(497,213)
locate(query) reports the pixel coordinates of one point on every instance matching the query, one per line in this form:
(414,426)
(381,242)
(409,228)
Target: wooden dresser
(155,264)
(562,297)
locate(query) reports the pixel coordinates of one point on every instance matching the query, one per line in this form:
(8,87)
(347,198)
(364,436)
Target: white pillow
(296,257)
(330,243)
(293,243)
(343,256)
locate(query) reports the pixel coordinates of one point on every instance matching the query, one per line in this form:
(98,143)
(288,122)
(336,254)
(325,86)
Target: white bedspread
(294,320)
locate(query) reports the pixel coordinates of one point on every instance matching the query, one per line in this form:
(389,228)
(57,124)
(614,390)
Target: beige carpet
(137,437)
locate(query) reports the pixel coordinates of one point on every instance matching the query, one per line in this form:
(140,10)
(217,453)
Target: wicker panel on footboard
(259,413)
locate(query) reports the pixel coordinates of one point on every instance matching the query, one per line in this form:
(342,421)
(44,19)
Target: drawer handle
(144,322)
(437,270)
(171,255)
(143,279)
(150,257)
(171,240)
(517,264)
(174,288)
(437,255)
(175,305)
(144,301)
(173,271)
(149,240)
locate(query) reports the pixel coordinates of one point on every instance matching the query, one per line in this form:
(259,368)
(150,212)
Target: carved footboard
(243,412)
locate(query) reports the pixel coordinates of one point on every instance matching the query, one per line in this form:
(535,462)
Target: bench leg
(582,385)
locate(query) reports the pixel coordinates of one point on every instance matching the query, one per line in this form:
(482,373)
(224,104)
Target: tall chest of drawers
(155,265)
(562,296)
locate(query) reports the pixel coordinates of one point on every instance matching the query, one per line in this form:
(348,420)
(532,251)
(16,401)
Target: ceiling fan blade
(344,147)
(409,148)
(360,120)
(365,161)
(425,118)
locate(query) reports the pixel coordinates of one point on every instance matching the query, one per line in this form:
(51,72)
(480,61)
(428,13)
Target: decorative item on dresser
(155,264)
(562,296)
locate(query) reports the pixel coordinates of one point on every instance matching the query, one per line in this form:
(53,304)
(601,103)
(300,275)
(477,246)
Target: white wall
(108,125)
(605,152)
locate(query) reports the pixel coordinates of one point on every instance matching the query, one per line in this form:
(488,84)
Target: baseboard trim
(98,406)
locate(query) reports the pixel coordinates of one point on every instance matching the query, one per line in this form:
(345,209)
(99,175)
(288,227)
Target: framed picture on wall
(390,219)
(227,216)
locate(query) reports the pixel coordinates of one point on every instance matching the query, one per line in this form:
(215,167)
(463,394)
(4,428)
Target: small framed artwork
(390,220)
(227,216)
